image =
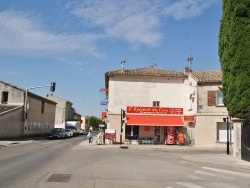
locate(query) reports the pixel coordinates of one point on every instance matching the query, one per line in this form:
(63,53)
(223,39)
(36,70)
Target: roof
(11,85)
(147,71)
(28,92)
(207,76)
(150,71)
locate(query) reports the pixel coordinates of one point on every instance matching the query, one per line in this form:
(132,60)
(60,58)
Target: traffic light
(53,86)
(123,114)
(123,121)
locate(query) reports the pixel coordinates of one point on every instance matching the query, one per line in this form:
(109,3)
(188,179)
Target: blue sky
(74,42)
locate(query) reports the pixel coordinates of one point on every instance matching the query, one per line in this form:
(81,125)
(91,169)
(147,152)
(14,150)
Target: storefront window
(132,132)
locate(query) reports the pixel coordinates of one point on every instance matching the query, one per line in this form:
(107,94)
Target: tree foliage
(95,122)
(234,53)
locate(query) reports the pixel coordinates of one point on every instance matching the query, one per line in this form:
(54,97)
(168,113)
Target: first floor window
(131,132)
(222,132)
(220,98)
(5,95)
(215,98)
(156,103)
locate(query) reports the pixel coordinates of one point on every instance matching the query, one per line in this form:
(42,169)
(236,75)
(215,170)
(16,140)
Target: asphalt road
(66,163)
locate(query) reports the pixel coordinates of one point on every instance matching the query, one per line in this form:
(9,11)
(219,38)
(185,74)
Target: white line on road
(227,172)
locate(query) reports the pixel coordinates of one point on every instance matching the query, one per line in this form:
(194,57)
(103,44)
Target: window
(131,132)
(220,98)
(156,103)
(42,108)
(215,98)
(222,132)
(5,95)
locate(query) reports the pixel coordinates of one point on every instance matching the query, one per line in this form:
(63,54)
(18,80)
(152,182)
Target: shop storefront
(153,125)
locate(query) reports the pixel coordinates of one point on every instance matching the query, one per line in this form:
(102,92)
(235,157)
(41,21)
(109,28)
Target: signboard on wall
(104,102)
(189,118)
(110,134)
(154,110)
(103,89)
(104,115)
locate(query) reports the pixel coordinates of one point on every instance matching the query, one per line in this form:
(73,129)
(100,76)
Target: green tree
(234,53)
(95,122)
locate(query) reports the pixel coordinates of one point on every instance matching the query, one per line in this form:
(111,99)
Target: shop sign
(189,118)
(146,128)
(104,102)
(103,89)
(110,134)
(154,110)
(104,115)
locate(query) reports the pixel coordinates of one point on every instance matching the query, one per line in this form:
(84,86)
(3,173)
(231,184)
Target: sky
(74,42)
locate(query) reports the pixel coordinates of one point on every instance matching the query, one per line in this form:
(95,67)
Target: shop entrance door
(157,138)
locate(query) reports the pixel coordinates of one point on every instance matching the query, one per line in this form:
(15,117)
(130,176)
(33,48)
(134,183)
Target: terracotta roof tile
(207,76)
(148,71)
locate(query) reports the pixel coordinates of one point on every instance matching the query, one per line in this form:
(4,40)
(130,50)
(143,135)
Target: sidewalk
(216,159)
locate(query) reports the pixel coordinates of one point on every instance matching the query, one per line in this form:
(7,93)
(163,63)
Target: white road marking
(189,185)
(228,172)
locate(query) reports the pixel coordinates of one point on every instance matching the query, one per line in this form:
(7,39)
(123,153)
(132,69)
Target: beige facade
(129,88)
(40,115)
(64,110)
(208,129)
(183,90)
(40,112)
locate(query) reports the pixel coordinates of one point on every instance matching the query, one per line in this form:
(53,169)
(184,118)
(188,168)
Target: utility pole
(25,114)
(52,89)
(123,115)
(227,121)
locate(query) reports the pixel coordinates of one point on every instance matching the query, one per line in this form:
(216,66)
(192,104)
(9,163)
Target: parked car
(68,132)
(73,128)
(82,132)
(57,133)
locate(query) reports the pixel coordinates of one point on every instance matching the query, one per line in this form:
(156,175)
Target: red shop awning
(154,120)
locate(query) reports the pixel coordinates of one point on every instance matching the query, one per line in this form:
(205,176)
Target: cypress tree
(234,53)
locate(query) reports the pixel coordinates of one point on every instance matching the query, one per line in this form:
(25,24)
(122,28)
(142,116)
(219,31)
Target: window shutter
(211,98)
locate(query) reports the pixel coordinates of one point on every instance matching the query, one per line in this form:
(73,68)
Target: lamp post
(52,89)
(227,121)
(25,113)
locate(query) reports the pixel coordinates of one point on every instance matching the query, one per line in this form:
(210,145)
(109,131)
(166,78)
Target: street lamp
(52,89)
(226,120)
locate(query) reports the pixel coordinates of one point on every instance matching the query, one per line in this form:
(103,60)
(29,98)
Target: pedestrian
(89,136)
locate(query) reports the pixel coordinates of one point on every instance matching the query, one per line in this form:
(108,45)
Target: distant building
(64,111)
(17,119)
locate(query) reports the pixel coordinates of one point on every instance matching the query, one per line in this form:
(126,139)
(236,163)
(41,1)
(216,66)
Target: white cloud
(13,73)
(21,33)
(184,9)
(137,22)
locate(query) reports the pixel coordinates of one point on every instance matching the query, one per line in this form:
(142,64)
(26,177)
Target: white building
(161,103)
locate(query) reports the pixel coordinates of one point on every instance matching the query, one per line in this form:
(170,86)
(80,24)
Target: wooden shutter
(211,98)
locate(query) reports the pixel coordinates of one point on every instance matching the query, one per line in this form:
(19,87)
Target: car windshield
(57,130)
(67,130)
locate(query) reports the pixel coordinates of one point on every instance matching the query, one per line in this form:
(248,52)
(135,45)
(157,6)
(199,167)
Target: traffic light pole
(52,88)
(121,128)
(226,120)
(227,136)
